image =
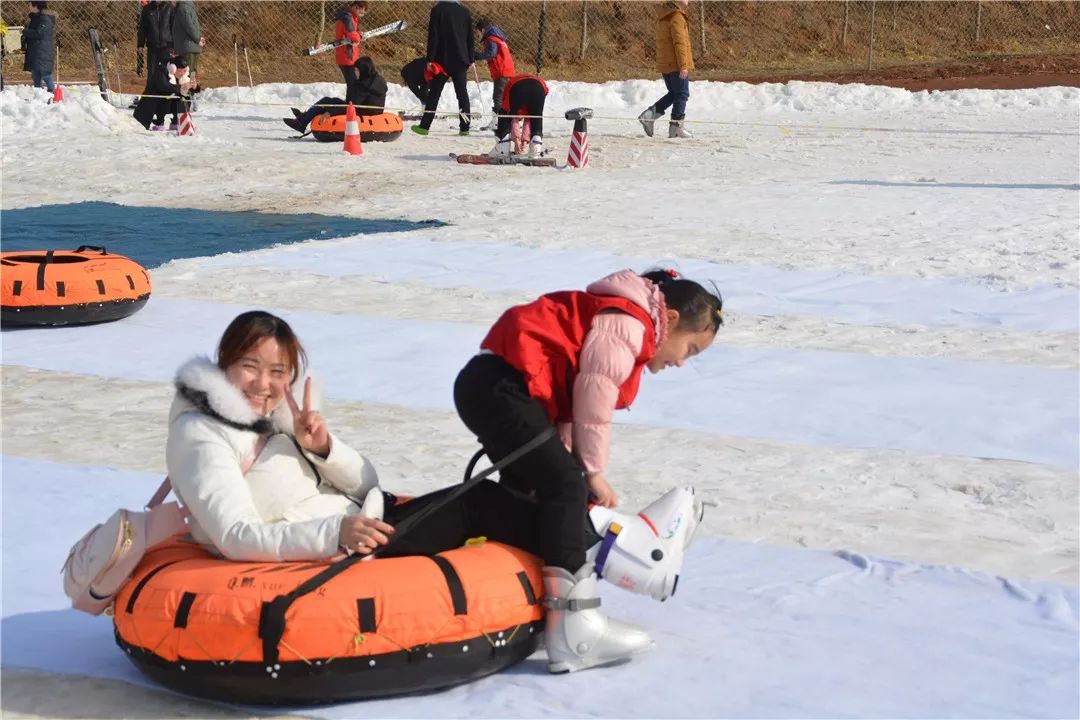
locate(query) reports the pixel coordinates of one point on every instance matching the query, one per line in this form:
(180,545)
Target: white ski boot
(643,553)
(676,129)
(577,634)
(503,149)
(648,119)
(374,505)
(536,147)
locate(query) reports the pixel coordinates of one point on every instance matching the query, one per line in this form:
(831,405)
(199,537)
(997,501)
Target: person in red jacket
(523,97)
(569,359)
(348,28)
(500,63)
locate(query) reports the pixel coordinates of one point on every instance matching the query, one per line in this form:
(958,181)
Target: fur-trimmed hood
(201,386)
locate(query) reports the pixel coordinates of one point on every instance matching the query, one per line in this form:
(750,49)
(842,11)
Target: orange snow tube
(222,630)
(373,128)
(59,287)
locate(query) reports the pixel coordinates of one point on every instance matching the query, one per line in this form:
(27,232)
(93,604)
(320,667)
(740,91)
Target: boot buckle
(554,603)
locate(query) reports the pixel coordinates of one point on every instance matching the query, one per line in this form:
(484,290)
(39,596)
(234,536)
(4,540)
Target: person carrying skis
(500,63)
(367,92)
(522,101)
(348,28)
(568,360)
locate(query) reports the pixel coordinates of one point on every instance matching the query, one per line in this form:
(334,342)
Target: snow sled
(383,127)
(215,629)
(59,287)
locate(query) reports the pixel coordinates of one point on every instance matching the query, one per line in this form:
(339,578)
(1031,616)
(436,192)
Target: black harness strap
(41,269)
(365,611)
(523,578)
(272,617)
(453,582)
(184,610)
(142,584)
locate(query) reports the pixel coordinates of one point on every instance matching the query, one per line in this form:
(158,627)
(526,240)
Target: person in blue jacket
(500,62)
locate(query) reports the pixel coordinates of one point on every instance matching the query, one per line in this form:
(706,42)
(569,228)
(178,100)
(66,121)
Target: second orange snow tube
(383,127)
(216,629)
(61,287)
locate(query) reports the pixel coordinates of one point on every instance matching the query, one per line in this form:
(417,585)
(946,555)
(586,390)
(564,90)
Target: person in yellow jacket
(674,60)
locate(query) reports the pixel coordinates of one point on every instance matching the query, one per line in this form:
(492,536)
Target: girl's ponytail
(698,308)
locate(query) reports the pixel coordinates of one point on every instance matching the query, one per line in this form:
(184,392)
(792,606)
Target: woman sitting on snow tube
(367,92)
(265,480)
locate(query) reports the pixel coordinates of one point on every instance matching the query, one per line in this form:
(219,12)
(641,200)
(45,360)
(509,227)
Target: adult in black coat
(155,34)
(39,43)
(450,47)
(366,91)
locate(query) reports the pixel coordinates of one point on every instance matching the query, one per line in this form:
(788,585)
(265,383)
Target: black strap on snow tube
(272,616)
(41,269)
(453,584)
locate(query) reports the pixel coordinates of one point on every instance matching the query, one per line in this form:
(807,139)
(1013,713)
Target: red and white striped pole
(578,157)
(187,127)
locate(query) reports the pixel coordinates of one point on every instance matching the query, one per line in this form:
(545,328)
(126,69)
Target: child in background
(674,60)
(524,97)
(570,359)
(500,64)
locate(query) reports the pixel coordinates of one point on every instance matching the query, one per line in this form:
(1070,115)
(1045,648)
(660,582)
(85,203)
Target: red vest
(514,81)
(345,55)
(502,65)
(543,340)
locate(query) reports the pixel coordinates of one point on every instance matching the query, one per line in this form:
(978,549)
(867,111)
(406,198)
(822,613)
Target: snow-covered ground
(897,378)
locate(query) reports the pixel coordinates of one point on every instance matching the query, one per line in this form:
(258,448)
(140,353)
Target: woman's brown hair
(248,329)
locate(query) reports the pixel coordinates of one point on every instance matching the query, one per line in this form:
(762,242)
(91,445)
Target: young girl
(571,359)
(265,480)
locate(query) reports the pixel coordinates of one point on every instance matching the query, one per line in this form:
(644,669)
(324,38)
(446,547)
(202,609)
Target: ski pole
(119,87)
(236,65)
(479,92)
(248,63)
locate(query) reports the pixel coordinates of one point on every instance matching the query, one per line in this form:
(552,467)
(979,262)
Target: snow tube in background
(59,287)
(196,623)
(383,127)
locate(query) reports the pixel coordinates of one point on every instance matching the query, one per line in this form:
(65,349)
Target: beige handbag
(102,561)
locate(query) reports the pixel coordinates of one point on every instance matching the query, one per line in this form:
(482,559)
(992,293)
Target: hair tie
(672,274)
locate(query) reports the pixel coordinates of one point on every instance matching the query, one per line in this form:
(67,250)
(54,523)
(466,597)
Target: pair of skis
(511,160)
(386,29)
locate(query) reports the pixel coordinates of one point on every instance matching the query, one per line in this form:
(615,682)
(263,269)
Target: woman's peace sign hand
(308,425)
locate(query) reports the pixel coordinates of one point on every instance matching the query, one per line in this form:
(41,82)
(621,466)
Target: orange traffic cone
(58,94)
(353,146)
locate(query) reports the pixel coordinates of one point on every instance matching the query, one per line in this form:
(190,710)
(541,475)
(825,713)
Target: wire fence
(581,39)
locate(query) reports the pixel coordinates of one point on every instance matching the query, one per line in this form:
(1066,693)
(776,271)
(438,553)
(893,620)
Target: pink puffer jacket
(607,358)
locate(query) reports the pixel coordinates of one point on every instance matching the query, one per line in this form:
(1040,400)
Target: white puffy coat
(281,509)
